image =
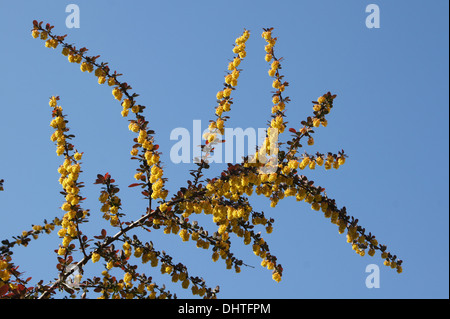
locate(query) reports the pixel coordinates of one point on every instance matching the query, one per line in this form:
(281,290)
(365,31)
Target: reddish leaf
(4,289)
(292,130)
(135,184)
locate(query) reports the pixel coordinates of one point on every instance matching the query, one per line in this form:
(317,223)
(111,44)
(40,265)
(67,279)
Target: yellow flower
(84,67)
(3,264)
(276,276)
(66,207)
(306,160)
(185,284)
(35,33)
(117,93)
(267,35)
(184,234)
(227,92)
(134,127)
(211,138)
(168,269)
(66,241)
(321,100)
(293,164)
(276,84)
(236,62)
(219,110)
(126,103)
(134,151)
(111,81)
(228,79)
(135,108)
(52,102)
(163,207)
(77,156)
(194,236)
(101,79)
(319,160)
(127,277)
(124,113)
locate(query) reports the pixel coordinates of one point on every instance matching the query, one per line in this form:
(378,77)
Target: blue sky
(390,116)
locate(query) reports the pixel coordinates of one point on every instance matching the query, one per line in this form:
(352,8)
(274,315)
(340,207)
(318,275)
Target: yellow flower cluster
(5,273)
(277,100)
(110,208)
(154,170)
(322,107)
(224,96)
(95,257)
(49,43)
(150,256)
(277,125)
(69,172)
(329,161)
(267,35)
(86,66)
(198,291)
(390,263)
